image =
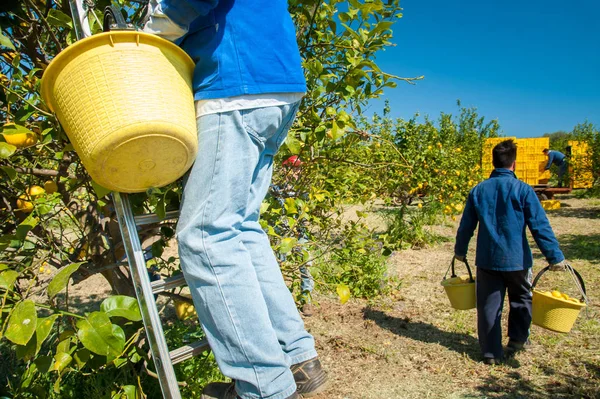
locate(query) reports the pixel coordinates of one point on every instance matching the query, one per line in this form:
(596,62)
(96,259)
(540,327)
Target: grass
(432,351)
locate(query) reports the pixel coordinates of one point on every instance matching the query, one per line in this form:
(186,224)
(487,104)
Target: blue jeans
(244,306)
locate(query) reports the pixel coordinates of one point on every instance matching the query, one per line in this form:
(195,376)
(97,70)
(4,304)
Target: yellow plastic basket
(125,101)
(460,289)
(555,314)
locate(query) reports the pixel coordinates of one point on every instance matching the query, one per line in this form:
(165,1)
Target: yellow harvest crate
(580,165)
(530,158)
(550,205)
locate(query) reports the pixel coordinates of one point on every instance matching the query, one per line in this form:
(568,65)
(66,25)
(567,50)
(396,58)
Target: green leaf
(60,281)
(6,150)
(5,41)
(6,241)
(343,292)
(290,206)
(287,244)
(61,360)
(26,226)
(293,144)
(22,323)
(126,392)
(10,172)
(15,129)
(100,191)
(381,26)
(44,326)
(58,18)
(81,357)
(122,306)
(8,278)
(100,336)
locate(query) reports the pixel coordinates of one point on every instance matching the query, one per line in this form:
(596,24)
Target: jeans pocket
(269,123)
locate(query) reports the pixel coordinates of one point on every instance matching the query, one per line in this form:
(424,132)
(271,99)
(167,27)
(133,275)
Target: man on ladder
(248,84)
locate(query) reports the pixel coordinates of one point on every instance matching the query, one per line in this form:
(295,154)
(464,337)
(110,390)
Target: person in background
(560,160)
(293,168)
(504,207)
(248,84)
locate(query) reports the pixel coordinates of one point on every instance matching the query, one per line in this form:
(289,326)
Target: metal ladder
(163,358)
(145,290)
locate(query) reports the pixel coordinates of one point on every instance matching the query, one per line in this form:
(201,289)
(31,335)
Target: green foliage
(589,134)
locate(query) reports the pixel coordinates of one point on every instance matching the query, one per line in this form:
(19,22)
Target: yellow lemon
(420,206)
(23,204)
(21,140)
(51,187)
(420,185)
(556,294)
(458,207)
(34,191)
(184,310)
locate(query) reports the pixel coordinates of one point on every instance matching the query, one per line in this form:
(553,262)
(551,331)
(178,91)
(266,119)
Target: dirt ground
(416,346)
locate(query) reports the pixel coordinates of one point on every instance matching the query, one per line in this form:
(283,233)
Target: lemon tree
(57,225)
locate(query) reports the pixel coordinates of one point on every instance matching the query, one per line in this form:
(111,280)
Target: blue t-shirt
(240,47)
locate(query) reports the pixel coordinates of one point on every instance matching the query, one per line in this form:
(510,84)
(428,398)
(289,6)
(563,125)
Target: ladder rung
(188,351)
(167,284)
(153,218)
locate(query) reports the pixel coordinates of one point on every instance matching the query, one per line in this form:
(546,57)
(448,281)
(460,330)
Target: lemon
(420,206)
(51,187)
(556,294)
(21,140)
(23,204)
(34,191)
(184,310)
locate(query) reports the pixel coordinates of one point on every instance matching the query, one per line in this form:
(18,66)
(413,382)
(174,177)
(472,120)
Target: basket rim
(63,58)
(444,283)
(562,300)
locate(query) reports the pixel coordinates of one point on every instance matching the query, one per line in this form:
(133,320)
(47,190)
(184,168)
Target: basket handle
(454,273)
(570,269)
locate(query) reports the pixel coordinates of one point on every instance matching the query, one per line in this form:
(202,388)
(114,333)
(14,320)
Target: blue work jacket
(240,47)
(555,157)
(504,206)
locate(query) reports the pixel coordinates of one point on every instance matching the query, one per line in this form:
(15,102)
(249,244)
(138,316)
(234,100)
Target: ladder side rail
(145,297)
(79,12)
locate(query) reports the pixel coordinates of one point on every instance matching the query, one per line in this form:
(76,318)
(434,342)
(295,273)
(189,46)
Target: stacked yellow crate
(486,160)
(579,165)
(530,159)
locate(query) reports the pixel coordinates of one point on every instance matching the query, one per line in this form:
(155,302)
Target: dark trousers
(491,289)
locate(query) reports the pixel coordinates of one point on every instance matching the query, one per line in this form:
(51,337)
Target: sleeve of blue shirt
(550,159)
(468,223)
(537,221)
(184,12)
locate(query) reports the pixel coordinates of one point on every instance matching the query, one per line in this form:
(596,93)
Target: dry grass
(418,347)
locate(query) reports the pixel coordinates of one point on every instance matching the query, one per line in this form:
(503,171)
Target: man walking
(504,206)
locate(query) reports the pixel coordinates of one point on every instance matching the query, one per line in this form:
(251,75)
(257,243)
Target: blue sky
(533,65)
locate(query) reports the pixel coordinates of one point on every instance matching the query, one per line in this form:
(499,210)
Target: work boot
(226,390)
(492,360)
(513,347)
(310,377)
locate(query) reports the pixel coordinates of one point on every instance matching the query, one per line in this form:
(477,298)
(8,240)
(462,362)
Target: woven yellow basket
(125,101)
(460,289)
(552,313)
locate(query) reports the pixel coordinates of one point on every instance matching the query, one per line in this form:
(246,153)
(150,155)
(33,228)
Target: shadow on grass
(579,246)
(581,213)
(558,384)
(461,343)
